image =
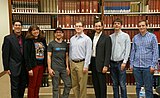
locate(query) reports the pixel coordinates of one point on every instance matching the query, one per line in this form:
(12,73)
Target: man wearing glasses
(80,54)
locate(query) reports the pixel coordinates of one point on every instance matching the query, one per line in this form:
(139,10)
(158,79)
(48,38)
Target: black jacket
(30,54)
(103,51)
(13,59)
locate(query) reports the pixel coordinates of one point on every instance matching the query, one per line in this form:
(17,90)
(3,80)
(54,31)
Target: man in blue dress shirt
(143,59)
(120,53)
(80,55)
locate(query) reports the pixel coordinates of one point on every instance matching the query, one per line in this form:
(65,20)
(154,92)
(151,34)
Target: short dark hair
(59,29)
(146,22)
(117,20)
(98,19)
(79,21)
(17,21)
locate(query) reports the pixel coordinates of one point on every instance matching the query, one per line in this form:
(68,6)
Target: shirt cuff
(125,61)
(85,66)
(153,66)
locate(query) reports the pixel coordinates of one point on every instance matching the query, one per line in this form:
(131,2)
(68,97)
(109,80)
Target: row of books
(68,21)
(128,20)
(153,20)
(122,7)
(154,5)
(25,5)
(78,6)
(48,6)
(43,21)
(62,6)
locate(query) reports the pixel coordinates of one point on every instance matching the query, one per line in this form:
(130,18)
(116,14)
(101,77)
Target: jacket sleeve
(45,53)
(6,53)
(27,51)
(108,50)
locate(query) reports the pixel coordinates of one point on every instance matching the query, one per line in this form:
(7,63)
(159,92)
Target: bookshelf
(49,14)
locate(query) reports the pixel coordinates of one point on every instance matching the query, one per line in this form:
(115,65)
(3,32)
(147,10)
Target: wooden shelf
(125,0)
(133,13)
(54,13)
(128,28)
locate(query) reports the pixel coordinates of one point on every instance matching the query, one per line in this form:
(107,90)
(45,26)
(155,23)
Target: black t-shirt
(39,50)
(58,54)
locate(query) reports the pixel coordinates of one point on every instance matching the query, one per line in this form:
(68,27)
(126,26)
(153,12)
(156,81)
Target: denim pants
(67,83)
(143,77)
(119,79)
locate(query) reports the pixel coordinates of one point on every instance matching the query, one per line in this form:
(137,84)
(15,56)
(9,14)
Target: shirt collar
(80,35)
(144,34)
(118,32)
(98,34)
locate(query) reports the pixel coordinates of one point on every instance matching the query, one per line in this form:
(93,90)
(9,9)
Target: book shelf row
(68,21)
(154,5)
(61,6)
(83,6)
(43,21)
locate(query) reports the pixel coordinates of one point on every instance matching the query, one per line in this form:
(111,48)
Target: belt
(117,61)
(77,61)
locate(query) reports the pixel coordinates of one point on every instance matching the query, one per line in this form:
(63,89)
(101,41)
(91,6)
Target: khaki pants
(79,79)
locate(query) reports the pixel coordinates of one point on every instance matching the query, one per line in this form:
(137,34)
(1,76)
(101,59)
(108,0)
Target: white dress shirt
(95,40)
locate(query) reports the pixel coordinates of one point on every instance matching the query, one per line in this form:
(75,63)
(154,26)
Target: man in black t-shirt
(58,63)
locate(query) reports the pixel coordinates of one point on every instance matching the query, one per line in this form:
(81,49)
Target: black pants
(18,84)
(99,81)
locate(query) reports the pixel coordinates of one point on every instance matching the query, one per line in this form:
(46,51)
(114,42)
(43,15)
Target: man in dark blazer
(13,60)
(100,59)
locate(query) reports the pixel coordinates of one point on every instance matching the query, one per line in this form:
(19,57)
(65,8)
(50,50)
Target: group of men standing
(99,52)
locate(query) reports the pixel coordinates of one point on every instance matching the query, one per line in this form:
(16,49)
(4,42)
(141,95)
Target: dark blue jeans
(119,79)
(143,77)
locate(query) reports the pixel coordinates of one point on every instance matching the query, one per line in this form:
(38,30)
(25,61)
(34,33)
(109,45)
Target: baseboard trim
(2,73)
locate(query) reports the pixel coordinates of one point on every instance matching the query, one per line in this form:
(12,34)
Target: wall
(4,26)
(5,90)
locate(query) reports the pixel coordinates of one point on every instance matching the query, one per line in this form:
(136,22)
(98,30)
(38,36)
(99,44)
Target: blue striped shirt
(80,48)
(144,51)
